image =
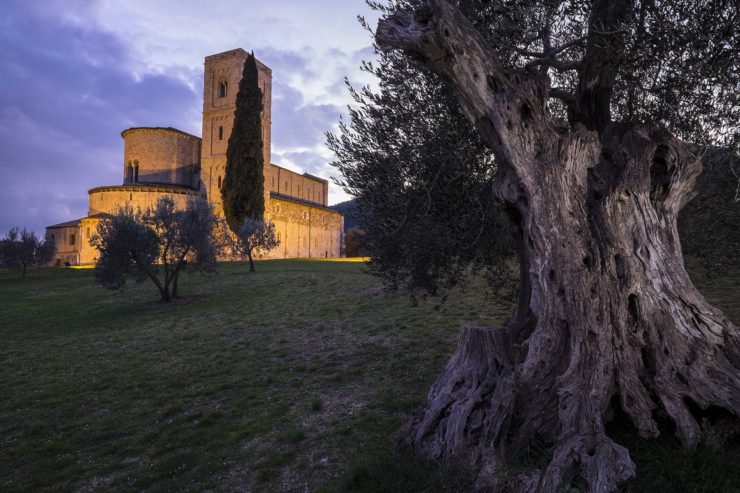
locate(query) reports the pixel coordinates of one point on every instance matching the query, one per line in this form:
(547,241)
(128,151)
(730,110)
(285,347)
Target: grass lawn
(295,378)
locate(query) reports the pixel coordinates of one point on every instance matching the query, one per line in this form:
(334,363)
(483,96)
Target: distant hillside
(708,225)
(349,209)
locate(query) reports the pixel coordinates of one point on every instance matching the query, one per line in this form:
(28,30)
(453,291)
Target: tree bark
(174,284)
(607,314)
(251,261)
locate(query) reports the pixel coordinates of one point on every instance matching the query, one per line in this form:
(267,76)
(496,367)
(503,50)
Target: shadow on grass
(399,472)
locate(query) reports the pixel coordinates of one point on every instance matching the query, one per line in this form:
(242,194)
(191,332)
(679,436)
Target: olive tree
(21,249)
(592,111)
(156,244)
(253,236)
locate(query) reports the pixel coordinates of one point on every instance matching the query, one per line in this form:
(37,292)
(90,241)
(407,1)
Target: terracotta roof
(68,224)
(314,177)
(166,129)
(77,222)
(164,187)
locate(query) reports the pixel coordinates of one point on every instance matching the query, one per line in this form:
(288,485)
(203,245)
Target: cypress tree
(242,189)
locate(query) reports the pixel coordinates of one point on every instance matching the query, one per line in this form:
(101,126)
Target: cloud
(75,73)
(67,95)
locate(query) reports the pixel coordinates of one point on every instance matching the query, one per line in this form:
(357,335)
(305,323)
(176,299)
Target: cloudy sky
(75,73)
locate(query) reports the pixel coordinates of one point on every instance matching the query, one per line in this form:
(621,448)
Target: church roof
(76,222)
(68,224)
(314,177)
(166,129)
(144,186)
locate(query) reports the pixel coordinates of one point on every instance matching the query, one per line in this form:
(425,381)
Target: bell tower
(223,72)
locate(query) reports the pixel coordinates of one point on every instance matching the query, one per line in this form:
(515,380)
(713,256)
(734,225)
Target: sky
(75,73)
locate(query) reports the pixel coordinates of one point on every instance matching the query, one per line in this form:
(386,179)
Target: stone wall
(163,155)
(304,187)
(305,231)
(67,244)
(109,199)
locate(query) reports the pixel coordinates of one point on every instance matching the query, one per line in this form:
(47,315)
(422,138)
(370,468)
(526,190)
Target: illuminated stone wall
(305,231)
(304,187)
(109,199)
(163,155)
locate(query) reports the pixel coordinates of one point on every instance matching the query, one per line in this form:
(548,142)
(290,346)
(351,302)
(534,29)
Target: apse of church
(166,161)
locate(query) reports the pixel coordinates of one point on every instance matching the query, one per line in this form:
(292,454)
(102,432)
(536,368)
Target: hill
(349,209)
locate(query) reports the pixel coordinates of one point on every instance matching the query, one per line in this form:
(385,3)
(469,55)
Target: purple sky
(75,73)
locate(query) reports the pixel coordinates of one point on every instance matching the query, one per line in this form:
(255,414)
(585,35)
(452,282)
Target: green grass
(295,377)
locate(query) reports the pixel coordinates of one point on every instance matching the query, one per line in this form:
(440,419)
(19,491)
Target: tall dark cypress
(242,189)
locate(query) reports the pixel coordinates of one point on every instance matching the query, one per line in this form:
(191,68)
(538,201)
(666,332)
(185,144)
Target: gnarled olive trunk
(607,309)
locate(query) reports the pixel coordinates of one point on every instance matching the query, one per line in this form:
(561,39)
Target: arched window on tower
(223,89)
(220,133)
(219,183)
(136,171)
(129,173)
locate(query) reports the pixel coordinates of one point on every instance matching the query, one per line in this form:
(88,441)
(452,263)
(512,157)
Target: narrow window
(72,239)
(52,238)
(129,173)
(219,183)
(88,232)
(223,88)
(130,197)
(136,171)
(286,186)
(220,133)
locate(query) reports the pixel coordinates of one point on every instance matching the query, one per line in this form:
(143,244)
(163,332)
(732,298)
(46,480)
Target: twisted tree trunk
(606,307)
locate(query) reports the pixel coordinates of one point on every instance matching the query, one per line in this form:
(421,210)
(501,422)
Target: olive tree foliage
(254,236)
(21,249)
(421,178)
(158,244)
(673,63)
(598,113)
(419,171)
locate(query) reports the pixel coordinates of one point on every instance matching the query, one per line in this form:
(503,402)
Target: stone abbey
(166,161)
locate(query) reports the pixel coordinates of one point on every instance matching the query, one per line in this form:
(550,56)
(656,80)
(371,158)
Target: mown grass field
(295,378)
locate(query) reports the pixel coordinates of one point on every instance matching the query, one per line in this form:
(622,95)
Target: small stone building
(166,161)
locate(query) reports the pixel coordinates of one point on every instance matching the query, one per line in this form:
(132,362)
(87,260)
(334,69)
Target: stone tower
(223,72)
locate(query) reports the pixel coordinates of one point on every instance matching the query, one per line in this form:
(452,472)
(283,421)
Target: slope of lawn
(295,378)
